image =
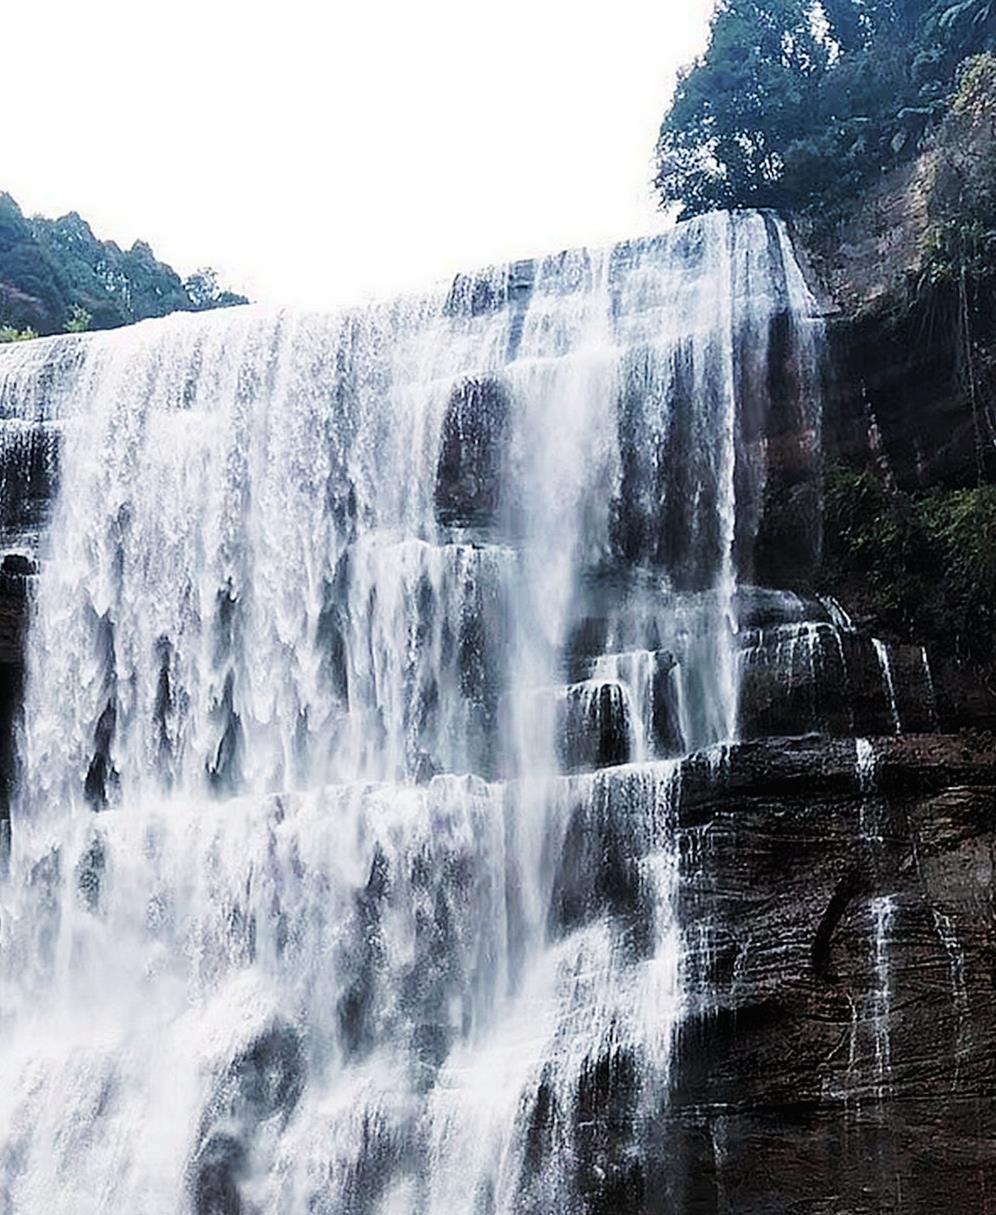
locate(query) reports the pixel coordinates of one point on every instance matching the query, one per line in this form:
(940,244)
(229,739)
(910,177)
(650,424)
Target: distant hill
(56,275)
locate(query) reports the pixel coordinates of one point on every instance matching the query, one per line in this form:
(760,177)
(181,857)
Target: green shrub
(960,241)
(960,530)
(79,320)
(923,565)
(9,334)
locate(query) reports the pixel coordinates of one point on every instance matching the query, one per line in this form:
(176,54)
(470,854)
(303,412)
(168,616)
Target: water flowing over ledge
(377,641)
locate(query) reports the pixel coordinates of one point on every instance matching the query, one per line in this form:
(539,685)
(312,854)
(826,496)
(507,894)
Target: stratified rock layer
(840,1047)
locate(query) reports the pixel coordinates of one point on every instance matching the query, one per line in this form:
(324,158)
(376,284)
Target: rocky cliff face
(839,1053)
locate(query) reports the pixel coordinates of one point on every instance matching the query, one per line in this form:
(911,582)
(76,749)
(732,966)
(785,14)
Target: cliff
(905,275)
(838,1056)
(732,979)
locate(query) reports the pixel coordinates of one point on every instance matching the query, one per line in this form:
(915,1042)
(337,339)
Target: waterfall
(883,912)
(885,662)
(345,853)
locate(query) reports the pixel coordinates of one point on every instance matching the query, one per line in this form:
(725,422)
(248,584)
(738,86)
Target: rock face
(901,400)
(665,974)
(842,1026)
(16,573)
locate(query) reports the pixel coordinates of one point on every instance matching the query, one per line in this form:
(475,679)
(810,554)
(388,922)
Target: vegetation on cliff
(921,566)
(960,240)
(55,275)
(798,102)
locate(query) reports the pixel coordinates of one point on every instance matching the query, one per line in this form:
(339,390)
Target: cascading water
(321,896)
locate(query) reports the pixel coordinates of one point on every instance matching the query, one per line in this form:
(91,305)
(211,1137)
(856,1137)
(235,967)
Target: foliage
(960,241)
(9,334)
(205,292)
(52,272)
(800,100)
(79,320)
(926,563)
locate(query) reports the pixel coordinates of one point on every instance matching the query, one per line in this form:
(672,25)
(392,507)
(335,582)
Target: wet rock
(102,778)
(18,565)
(361,959)
(263,1082)
(600,867)
(596,729)
(666,738)
(220,1166)
(224,768)
(29,473)
(839,1015)
(798,678)
(101,775)
(472,454)
(90,873)
(425,768)
(268,1078)
(610,1170)
(331,629)
(11,698)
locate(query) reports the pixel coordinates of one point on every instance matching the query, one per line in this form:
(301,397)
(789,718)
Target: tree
(723,141)
(79,320)
(799,100)
(55,272)
(204,291)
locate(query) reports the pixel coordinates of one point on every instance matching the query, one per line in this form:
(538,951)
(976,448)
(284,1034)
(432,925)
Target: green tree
(204,291)
(723,142)
(803,100)
(79,320)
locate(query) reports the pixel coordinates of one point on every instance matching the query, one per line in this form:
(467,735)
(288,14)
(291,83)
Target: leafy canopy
(802,100)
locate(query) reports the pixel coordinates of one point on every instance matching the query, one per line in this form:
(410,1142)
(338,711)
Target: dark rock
(596,730)
(265,1081)
(665,716)
(90,873)
(610,1168)
(268,1078)
(331,630)
(858,1096)
(19,564)
(29,474)
(472,454)
(598,869)
(224,769)
(219,1168)
(816,677)
(11,699)
(101,775)
(361,957)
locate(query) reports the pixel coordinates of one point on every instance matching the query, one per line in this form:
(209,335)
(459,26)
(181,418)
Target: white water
(866,763)
(885,663)
(883,913)
(928,679)
(339,937)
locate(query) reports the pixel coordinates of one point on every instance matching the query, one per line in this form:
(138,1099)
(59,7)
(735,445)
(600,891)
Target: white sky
(321,152)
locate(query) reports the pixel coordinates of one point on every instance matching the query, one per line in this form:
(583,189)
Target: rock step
(795,679)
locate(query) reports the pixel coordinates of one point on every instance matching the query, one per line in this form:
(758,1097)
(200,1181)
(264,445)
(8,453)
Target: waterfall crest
(362,663)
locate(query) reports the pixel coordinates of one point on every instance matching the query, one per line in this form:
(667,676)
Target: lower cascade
(413,709)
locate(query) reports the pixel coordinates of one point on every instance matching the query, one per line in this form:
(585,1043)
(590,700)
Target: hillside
(55,274)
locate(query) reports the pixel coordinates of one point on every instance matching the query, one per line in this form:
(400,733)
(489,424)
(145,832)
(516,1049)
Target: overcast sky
(320,152)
